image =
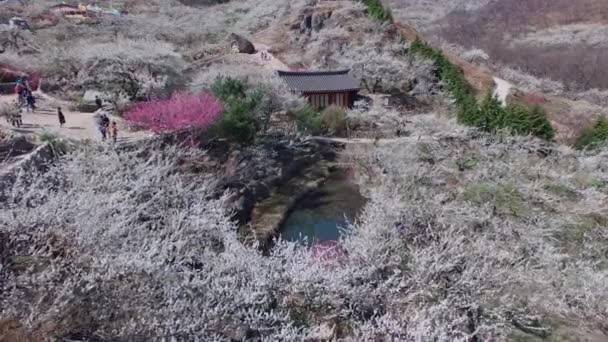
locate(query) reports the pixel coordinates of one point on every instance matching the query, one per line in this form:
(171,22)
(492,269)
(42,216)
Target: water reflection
(323,215)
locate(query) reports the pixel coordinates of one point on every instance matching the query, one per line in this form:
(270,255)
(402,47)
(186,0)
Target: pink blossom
(327,251)
(181,111)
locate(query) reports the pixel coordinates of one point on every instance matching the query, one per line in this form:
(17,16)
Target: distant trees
(137,69)
(382,67)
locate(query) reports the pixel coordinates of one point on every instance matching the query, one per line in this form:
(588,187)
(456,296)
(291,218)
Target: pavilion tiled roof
(319,81)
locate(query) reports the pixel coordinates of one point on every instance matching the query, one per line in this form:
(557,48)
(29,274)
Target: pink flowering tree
(180,112)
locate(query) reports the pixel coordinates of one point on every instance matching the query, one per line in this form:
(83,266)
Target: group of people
(25,95)
(265,56)
(107,128)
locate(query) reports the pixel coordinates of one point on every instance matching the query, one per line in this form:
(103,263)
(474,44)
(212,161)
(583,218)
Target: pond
(322,215)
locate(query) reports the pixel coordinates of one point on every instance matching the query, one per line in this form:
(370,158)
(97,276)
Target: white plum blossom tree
(464,237)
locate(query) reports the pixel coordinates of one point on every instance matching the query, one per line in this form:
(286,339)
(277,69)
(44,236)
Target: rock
(239,204)
(318,21)
(241,44)
(17,23)
(16,146)
(306,24)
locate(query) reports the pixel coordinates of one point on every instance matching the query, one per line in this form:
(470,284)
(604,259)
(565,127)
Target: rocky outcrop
(15,146)
(252,174)
(24,169)
(241,44)
(311,21)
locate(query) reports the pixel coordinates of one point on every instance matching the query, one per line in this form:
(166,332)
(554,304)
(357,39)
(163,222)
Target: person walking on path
(104,123)
(114,131)
(31,102)
(98,102)
(61,117)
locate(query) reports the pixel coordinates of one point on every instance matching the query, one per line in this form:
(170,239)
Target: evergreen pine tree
(491,114)
(540,125)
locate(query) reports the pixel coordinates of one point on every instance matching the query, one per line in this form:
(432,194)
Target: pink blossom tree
(181,111)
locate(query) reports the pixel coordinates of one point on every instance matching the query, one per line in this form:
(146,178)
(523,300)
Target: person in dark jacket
(98,102)
(104,126)
(31,102)
(61,117)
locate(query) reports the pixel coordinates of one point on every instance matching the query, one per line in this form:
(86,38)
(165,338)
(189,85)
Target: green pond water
(323,215)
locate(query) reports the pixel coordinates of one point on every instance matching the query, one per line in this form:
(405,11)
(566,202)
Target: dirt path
(271,62)
(386,141)
(78,125)
(503,88)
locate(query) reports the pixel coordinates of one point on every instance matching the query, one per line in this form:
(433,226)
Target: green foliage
(308,120)
(563,191)
(593,137)
(59,145)
(572,235)
(464,164)
(239,122)
(377,11)
(539,124)
(334,120)
(226,88)
(505,198)
(490,115)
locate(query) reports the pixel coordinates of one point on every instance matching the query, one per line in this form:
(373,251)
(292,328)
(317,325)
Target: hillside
(560,40)
(553,52)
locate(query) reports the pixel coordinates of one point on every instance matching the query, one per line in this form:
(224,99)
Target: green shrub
(239,122)
(225,88)
(377,11)
(308,120)
(59,144)
(492,115)
(505,198)
(334,120)
(593,137)
(563,191)
(540,125)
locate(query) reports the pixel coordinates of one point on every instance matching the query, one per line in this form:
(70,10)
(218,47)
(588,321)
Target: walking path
(503,88)
(272,62)
(78,125)
(385,141)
